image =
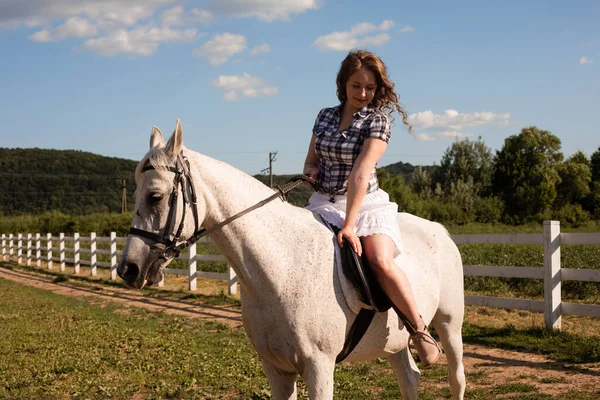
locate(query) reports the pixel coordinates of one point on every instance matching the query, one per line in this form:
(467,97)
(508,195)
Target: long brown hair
(385,99)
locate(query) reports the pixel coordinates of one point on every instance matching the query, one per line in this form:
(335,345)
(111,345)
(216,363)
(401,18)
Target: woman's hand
(348,233)
(311,171)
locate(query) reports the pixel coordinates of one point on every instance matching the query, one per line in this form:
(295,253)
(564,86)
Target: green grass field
(56,347)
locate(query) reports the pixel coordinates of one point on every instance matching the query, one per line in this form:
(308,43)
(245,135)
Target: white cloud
(453,134)
(504,124)
(424,137)
(387,24)
(73,27)
(177,16)
(453,120)
(356,37)
(236,86)
(265,10)
(451,123)
(260,49)
(38,13)
(112,26)
(140,41)
(586,60)
(407,29)
(221,47)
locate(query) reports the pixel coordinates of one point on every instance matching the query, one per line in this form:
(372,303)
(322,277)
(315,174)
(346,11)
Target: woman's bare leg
(379,250)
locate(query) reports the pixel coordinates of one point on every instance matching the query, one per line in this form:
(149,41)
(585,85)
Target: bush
(488,210)
(446,213)
(571,215)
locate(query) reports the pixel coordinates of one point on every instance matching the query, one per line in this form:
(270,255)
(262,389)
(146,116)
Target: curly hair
(385,99)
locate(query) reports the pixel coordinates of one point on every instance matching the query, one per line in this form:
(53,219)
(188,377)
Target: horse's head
(166,211)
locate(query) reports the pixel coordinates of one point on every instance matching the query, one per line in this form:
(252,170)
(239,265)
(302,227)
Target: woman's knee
(379,254)
(380,264)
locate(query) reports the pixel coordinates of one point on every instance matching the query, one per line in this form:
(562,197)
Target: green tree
(592,203)
(576,176)
(595,166)
(466,161)
(421,183)
(401,193)
(526,175)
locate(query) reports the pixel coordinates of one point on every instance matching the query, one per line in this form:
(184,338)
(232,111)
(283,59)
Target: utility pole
(272,155)
(124,198)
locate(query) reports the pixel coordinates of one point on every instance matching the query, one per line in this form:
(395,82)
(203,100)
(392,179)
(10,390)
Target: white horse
(293,307)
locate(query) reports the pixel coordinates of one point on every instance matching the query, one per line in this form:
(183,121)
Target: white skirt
(376,215)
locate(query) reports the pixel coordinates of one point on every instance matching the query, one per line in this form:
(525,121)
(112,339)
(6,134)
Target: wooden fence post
(49,250)
(19,248)
(3,246)
(232,282)
(28,259)
(93,253)
(76,252)
(38,250)
(552,283)
(113,256)
(192,267)
(61,251)
(10,247)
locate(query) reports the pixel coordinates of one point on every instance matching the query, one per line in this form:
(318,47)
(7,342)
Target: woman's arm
(311,163)
(358,182)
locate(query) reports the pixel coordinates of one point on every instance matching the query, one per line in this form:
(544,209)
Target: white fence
(552,273)
(31,247)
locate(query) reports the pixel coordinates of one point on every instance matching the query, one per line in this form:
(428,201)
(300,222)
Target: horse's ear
(156,138)
(175,144)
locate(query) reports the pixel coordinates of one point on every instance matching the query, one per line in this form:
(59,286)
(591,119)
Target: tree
(576,176)
(466,160)
(595,166)
(526,175)
(593,200)
(421,183)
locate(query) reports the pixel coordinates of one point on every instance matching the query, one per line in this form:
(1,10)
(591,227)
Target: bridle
(183,178)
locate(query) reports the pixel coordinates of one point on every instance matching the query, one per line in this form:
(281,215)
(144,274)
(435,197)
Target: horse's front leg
(407,372)
(283,384)
(318,374)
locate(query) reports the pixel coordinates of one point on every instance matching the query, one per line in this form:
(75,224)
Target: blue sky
(248,77)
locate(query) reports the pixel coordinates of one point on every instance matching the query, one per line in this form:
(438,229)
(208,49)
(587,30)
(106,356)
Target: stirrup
(424,337)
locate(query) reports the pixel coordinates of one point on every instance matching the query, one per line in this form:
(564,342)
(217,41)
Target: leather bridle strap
(281,193)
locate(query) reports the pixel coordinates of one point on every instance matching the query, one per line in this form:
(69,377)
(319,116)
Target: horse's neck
(247,242)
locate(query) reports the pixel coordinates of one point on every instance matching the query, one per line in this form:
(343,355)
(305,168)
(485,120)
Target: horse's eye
(154,198)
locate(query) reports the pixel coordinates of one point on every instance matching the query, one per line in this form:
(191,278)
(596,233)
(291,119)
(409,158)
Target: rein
(183,178)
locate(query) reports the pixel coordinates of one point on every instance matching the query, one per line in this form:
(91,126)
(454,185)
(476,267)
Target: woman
(347,142)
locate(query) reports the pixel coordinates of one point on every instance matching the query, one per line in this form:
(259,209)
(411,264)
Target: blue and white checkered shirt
(338,151)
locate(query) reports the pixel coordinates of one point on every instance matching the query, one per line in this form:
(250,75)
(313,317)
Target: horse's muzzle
(129,272)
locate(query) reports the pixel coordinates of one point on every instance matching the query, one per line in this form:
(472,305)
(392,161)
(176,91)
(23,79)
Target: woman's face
(360,89)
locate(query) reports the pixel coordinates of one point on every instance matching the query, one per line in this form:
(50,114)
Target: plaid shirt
(338,151)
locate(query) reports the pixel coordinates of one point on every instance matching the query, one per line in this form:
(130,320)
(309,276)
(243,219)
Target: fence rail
(551,238)
(552,306)
(13,247)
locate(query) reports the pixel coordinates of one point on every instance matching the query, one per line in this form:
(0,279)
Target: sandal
(428,349)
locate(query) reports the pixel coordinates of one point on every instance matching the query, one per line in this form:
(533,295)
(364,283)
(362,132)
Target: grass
(558,346)
(56,347)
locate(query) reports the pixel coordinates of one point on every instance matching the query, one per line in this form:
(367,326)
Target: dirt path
(100,294)
(484,366)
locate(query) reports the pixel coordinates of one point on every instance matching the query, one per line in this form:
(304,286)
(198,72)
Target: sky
(248,77)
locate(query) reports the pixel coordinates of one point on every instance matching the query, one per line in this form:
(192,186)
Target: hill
(73,182)
(34,181)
